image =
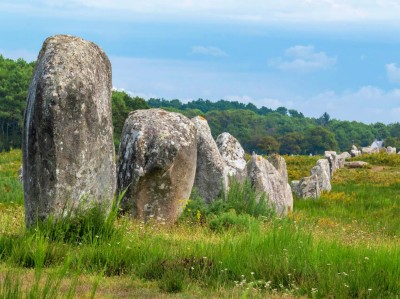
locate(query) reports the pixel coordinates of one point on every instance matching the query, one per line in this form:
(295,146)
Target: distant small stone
(345,155)
(356,164)
(354,153)
(342,158)
(369,150)
(391,150)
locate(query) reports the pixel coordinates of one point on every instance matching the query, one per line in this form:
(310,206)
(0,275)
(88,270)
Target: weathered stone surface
(354,148)
(280,164)
(68,149)
(368,150)
(341,159)
(211,172)
(233,155)
(265,178)
(21,174)
(391,150)
(355,153)
(321,170)
(356,164)
(333,161)
(295,187)
(307,187)
(345,155)
(157,164)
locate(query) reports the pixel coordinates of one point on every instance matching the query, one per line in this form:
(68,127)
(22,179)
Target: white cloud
(267,102)
(393,72)
(303,59)
(368,104)
(209,51)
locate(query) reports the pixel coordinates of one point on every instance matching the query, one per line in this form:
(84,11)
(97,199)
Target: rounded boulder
(157,164)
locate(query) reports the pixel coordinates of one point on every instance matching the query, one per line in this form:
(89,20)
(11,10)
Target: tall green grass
(10,188)
(282,257)
(236,243)
(300,166)
(380,159)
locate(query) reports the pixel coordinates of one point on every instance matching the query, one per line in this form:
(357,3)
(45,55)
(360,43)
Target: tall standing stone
(211,173)
(280,164)
(68,150)
(355,152)
(266,178)
(156,164)
(322,172)
(233,155)
(307,187)
(333,161)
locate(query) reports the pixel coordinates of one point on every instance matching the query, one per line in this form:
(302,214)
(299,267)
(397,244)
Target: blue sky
(316,56)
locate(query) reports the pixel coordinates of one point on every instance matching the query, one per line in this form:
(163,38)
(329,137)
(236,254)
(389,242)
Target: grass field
(344,245)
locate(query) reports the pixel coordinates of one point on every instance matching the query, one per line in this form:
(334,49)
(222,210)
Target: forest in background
(262,130)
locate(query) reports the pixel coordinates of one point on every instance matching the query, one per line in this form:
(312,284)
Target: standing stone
(355,152)
(391,150)
(211,173)
(321,170)
(265,178)
(156,164)
(368,150)
(356,164)
(341,159)
(280,164)
(21,174)
(295,188)
(233,155)
(307,187)
(333,161)
(68,149)
(344,156)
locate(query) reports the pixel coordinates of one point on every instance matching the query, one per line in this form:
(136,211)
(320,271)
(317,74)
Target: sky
(315,56)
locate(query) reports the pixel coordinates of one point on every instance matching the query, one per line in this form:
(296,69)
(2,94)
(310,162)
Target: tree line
(262,130)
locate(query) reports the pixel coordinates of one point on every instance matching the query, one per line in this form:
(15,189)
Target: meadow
(343,245)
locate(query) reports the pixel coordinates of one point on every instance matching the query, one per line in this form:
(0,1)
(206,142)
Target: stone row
(321,175)
(355,152)
(68,150)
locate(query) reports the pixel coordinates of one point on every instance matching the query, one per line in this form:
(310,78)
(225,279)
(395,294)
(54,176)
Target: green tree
(292,143)
(282,110)
(320,139)
(14,83)
(264,144)
(393,142)
(122,104)
(380,131)
(324,119)
(295,113)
